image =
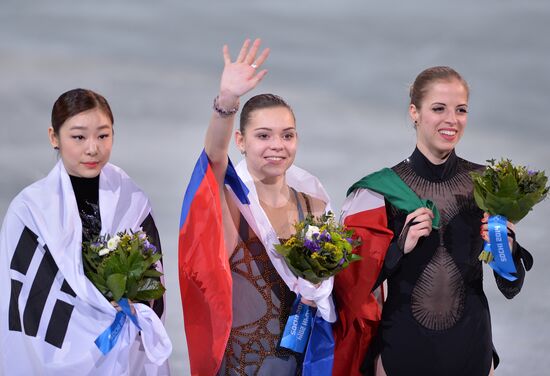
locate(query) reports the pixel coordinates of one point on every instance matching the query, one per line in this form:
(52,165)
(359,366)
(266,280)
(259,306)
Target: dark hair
(259,102)
(429,76)
(75,101)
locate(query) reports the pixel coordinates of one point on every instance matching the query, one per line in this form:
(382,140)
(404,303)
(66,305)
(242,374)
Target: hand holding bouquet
(507,193)
(319,249)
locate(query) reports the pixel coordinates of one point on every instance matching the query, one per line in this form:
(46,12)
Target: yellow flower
(330,247)
(290,242)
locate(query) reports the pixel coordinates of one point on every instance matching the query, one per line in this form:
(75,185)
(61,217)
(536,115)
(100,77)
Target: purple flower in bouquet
(325,236)
(312,245)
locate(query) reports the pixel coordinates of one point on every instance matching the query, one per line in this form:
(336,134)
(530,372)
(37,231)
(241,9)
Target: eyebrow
(81,127)
(443,104)
(271,130)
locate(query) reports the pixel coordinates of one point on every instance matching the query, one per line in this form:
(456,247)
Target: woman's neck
(433,156)
(273,192)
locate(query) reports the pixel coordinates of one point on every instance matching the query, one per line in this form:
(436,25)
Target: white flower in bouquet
(104,251)
(311,230)
(113,243)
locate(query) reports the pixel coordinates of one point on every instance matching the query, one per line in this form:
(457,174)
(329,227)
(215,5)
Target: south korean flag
(50,313)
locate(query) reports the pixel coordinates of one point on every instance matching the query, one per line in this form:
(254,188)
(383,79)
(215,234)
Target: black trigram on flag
(41,285)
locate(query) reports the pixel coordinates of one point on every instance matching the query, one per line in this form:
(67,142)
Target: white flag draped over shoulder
(50,313)
(301,181)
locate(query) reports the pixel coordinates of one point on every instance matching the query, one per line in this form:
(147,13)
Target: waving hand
(243,74)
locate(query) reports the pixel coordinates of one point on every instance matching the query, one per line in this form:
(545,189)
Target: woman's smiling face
(270,142)
(441,118)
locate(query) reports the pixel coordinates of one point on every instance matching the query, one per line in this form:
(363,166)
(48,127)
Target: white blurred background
(344,66)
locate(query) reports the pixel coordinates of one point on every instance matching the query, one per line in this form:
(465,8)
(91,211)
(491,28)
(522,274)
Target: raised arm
(238,78)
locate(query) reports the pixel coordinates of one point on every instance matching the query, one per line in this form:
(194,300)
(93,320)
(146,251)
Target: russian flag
(204,273)
(359,311)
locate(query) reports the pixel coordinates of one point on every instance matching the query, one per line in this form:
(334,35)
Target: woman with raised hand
(237,292)
(421,229)
(51,313)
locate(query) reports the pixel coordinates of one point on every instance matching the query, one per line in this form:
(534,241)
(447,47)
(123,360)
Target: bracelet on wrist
(222,111)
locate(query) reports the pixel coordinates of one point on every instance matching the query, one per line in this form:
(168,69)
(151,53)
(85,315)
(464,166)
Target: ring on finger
(254,66)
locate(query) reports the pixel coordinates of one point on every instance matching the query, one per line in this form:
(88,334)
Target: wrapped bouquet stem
(319,249)
(507,193)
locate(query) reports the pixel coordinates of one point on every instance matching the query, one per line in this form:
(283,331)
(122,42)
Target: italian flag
(359,310)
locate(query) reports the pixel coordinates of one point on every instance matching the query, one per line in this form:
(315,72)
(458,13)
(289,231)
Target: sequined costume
(261,306)
(436,318)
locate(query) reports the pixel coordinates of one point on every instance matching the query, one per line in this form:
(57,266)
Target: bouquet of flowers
(123,266)
(509,191)
(319,249)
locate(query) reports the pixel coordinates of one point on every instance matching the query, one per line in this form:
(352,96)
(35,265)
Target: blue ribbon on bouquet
(108,339)
(298,327)
(502,263)
(305,331)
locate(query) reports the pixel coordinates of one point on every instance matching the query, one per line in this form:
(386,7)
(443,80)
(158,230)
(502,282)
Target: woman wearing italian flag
(420,228)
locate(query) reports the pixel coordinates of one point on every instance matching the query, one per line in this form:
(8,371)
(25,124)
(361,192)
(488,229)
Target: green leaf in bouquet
(494,204)
(152,273)
(511,208)
(114,263)
(117,284)
(122,256)
(317,265)
(309,275)
(136,264)
(149,289)
(131,288)
(508,186)
(152,259)
(328,263)
(297,259)
(134,245)
(523,206)
(354,257)
(90,261)
(282,249)
(479,197)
